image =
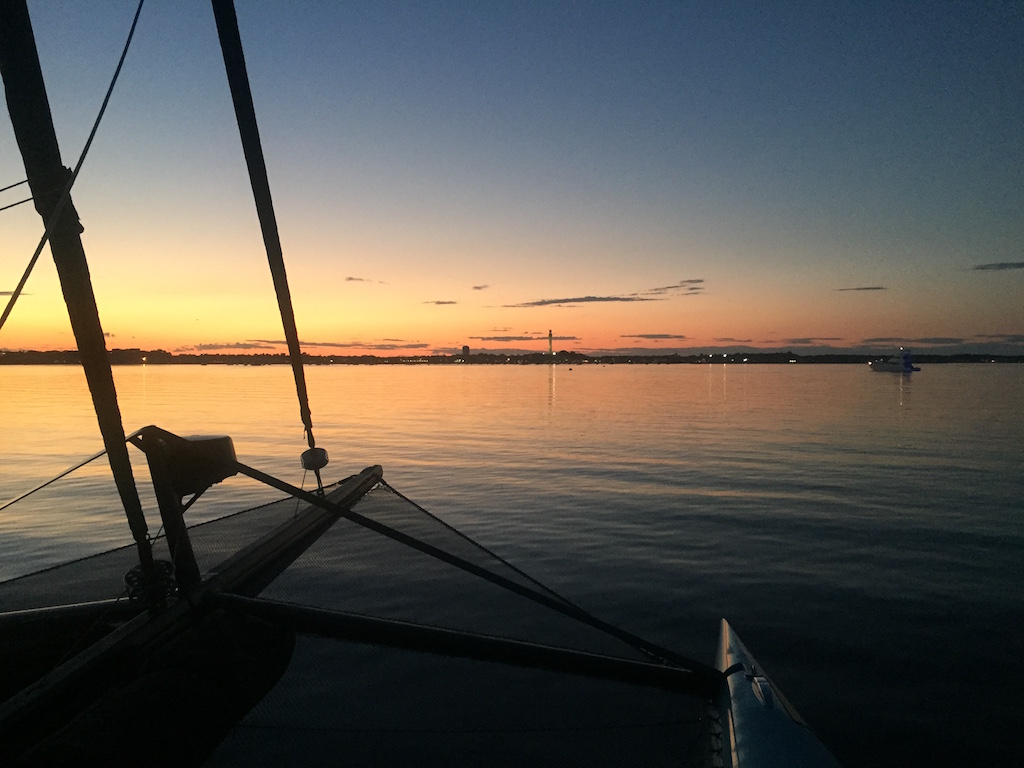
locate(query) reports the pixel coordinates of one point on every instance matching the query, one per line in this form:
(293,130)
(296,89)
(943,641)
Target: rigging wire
(66,194)
(11,186)
(495,556)
(65,473)
(15,184)
(52,480)
(704,675)
(20,202)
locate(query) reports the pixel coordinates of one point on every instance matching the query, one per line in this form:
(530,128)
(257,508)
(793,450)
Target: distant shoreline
(160,357)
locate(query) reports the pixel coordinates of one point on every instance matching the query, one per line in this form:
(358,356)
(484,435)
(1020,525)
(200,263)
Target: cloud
(577,300)
(925,340)
(386,347)
(507,338)
(384,344)
(481,287)
(1008,338)
(652,336)
(999,266)
(278,342)
(730,340)
(688,287)
(523,338)
(812,340)
(351,279)
(440,303)
(864,288)
(938,340)
(234,345)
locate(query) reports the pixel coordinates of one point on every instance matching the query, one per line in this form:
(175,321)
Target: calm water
(862,531)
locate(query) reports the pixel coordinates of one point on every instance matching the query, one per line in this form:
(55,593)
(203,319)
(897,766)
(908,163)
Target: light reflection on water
(836,515)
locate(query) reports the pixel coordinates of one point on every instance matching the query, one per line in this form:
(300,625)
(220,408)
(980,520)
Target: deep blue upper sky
(783,153)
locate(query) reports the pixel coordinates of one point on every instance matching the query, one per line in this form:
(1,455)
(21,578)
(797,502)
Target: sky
(642,176)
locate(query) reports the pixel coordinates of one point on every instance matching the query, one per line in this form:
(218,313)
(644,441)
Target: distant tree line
(162,357)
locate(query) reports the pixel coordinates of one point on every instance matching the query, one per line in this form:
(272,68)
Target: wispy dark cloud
(864,288)
(279,342)
(691,287)
(233,346)
(506,338)
(523,338)
(577,300)
(685,287)
(384,344)
(394,347)
(1008,338)
(999,266)
(351,279)
(938,340)
(932,340)
(652,336)
(481,287)
(729,340)
(812,340)
(440,303)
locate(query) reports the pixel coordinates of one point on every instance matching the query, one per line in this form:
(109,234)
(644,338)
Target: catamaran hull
(759,728)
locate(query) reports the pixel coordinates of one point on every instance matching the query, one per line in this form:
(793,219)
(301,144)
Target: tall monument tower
(551,349)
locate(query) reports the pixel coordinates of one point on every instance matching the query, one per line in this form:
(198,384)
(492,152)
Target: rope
(66,193)
(79,644)
(150,589)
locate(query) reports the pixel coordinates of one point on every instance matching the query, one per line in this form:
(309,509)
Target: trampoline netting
(369,703)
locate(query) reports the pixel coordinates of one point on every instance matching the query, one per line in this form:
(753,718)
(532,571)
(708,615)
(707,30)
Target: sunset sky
(644,175)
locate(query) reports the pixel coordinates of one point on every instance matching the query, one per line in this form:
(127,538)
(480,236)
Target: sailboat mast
(31,119)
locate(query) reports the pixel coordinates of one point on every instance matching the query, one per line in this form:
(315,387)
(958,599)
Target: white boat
(154,652)
(901,362)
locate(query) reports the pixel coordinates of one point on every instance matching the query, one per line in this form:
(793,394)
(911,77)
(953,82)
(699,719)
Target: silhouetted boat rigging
(132,657)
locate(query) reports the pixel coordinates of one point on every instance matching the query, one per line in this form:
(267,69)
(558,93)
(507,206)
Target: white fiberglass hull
(760,729)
